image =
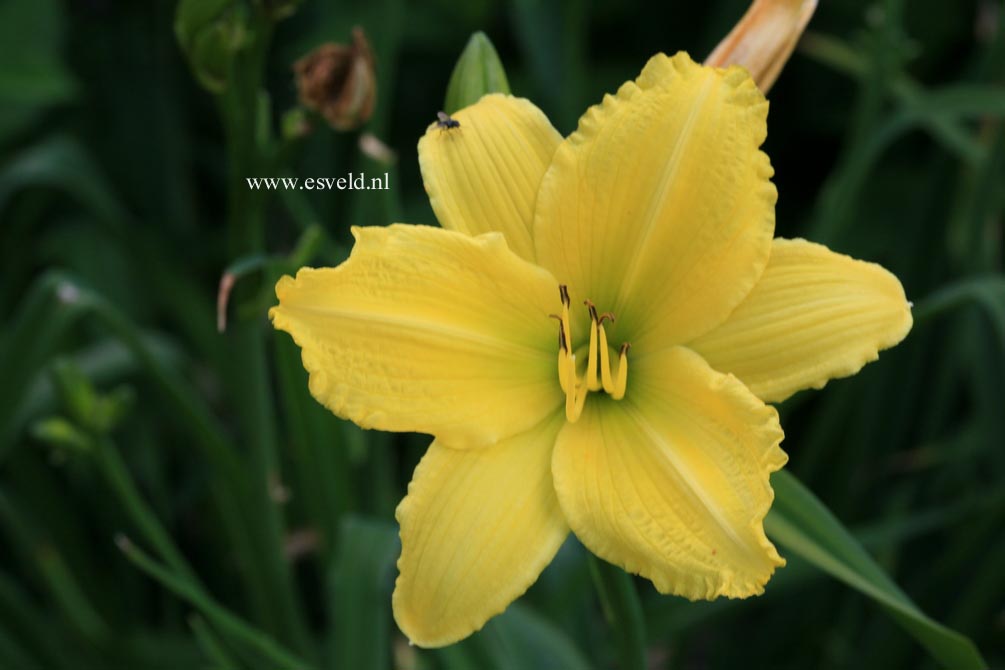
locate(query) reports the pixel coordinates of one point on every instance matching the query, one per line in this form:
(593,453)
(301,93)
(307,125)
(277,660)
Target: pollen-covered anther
(598,374)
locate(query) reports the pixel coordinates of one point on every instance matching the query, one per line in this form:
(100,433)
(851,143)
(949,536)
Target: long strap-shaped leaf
(804,526)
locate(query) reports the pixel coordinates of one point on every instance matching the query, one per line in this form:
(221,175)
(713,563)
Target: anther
(563,292)
(562,344)
(600,372)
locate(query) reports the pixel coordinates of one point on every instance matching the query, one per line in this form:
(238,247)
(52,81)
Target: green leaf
(986,292)
(520,638)
(360,592)
(478,72)
(622,609)
(804,526)
(211,646)
(60,162)
(227,623)
(33,76)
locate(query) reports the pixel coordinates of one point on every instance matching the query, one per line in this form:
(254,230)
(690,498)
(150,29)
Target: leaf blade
(802,524)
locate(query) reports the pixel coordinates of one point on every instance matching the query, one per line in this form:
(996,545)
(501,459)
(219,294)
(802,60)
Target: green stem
(118,477)
(211,646)
(985,291)
(623,611)
(230,484)
(839,56)
(227,622)
(34,627)
(244,109)
(57,577)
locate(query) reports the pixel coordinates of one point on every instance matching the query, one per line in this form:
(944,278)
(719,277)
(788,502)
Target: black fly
(445,122)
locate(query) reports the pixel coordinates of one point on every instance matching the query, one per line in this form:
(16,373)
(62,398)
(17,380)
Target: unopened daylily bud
(87,409)
(478,72)
(764,38)
(339,82)
(75,391)
(210,33)
(281,9)
(59,433)
(295,125)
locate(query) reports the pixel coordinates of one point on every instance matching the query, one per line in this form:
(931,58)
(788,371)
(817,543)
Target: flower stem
(245,112)
(227,622)
(117,474)
(623,611)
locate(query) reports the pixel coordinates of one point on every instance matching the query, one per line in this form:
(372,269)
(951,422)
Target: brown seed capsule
(338,81)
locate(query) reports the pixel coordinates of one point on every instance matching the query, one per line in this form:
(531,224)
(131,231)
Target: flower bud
(764,38)
(211,33)
(278,10)
(339,82)
(478,72)
(59,433)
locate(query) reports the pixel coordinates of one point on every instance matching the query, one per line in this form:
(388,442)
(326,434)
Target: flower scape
(593,339)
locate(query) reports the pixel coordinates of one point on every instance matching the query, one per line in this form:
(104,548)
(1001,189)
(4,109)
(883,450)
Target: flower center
(599,373)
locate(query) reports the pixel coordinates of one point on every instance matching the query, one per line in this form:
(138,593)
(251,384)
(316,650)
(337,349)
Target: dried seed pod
(339,82)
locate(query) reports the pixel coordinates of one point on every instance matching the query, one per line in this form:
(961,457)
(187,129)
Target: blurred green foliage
(172,497)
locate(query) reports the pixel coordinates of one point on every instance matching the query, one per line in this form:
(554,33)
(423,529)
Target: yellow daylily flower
(644,240)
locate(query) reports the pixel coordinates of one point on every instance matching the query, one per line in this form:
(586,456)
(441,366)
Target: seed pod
(339,82)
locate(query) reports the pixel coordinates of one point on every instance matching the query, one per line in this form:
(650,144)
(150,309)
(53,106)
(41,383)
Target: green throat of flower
(599,373)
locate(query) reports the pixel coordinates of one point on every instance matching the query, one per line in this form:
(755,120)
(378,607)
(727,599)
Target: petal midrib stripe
(426,326)
(687,477)
(667,177)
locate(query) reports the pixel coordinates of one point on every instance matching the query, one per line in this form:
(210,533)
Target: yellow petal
(484,175)
(477,528)
(764,38)
(427,330)
(672,482)
(815,315)
(660,206)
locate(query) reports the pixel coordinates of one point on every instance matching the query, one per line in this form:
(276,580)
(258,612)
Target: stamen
(622,382)
(605,362)
(563,344)
(575,393)
(563,292)
(592,381)
(576,389)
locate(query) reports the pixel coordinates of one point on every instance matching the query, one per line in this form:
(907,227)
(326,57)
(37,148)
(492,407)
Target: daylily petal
(672,482)
(660,206)
(484,175)
(814,315)
(477,528)
(427,330)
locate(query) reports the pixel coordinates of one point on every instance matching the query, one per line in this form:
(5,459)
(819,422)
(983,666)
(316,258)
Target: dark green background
(886,133)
